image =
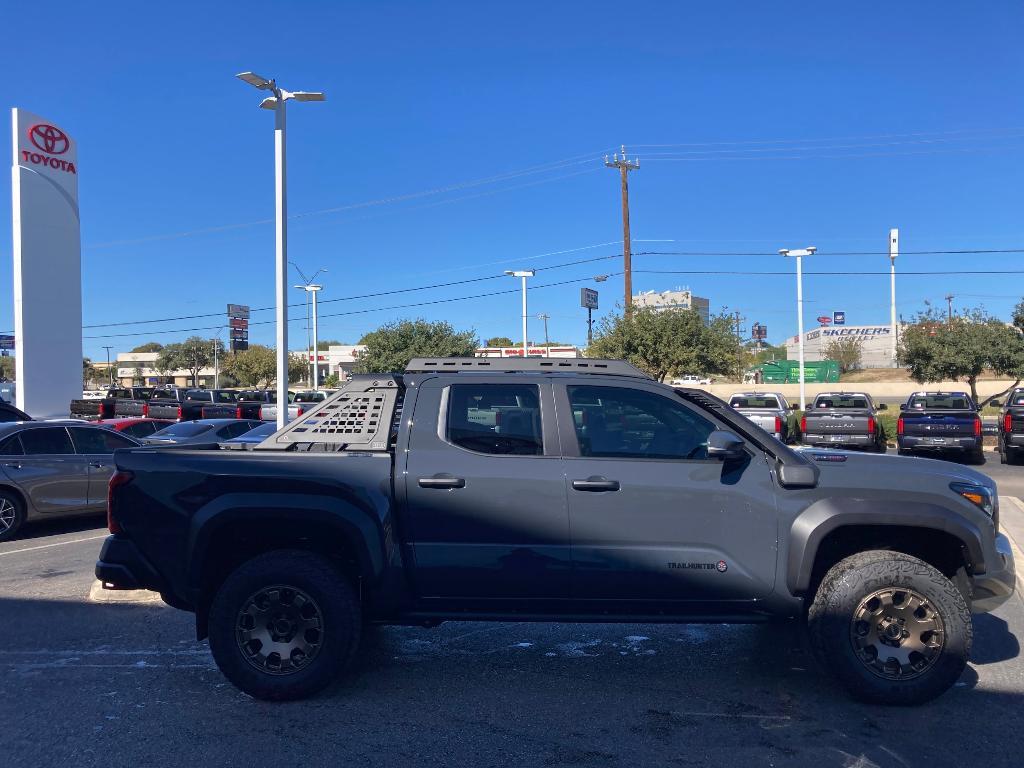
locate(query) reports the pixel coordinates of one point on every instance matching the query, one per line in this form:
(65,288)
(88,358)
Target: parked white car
(691,380)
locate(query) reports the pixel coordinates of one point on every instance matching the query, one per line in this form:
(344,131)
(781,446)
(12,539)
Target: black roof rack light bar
(516,365)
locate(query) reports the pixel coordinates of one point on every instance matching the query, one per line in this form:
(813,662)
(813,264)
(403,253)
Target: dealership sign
(47,265)
(588,298)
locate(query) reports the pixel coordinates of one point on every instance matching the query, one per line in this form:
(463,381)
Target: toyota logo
(49,139)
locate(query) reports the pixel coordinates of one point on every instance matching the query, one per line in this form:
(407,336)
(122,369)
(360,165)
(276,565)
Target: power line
(834,138)
(367,311)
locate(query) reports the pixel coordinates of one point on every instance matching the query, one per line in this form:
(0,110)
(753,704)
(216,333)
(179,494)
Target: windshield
(754,401)
(841,401)
(264,430)
(952,402)
(185,429)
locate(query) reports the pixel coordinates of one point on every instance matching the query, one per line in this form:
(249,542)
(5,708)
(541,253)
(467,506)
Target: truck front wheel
(284,625)
(892,628)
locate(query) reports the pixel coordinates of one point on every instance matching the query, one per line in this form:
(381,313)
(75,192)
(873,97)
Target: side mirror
(725,445)
(883,407)
(903,406)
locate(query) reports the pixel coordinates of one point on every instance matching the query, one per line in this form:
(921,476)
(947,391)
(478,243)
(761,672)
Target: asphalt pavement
(87,678)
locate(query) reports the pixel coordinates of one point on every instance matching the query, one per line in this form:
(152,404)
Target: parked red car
(138,428)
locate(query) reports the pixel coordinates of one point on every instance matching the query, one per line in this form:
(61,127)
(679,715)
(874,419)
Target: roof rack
(513,364)
(358,417)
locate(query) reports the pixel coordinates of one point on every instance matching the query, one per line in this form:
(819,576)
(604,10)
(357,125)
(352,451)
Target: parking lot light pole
(524,274)
(799,254)
(310,287)
(278,102)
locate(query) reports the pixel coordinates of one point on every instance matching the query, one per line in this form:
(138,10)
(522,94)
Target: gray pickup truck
(769,410)
(844,420)
(478,489)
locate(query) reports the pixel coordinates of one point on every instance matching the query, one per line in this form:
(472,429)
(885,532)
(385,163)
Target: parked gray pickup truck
(769,410)
(554,490)
(843,420)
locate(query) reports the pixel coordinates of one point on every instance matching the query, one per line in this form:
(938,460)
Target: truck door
(486,512)
(652,517)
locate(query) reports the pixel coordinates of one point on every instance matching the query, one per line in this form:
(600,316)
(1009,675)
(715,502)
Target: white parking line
(55,544)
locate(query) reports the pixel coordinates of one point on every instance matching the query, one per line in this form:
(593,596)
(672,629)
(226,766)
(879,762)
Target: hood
(882,471)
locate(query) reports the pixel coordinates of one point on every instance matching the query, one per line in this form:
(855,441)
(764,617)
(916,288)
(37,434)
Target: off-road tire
(13,512)
(840,594)
(337,611)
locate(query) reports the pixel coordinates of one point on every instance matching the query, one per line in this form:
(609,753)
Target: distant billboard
(758,331)
(588,298)
(238,321)
(824,319)
(838,318)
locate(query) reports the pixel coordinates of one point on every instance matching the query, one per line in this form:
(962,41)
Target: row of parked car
(183,404)
(929,423)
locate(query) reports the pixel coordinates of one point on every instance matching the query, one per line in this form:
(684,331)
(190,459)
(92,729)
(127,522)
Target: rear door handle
(595,484)
(13,465)
(442,482)
(96,465)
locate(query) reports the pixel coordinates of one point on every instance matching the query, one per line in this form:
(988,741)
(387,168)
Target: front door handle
(595,483)
(96,465)
(442,482)
(13,465)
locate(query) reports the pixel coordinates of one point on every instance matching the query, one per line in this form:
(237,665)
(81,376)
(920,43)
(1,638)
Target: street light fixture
(524,274)
(310,287)
(799,253)
(278,102)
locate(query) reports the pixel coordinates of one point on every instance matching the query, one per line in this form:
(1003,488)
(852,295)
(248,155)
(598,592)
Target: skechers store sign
(865,331)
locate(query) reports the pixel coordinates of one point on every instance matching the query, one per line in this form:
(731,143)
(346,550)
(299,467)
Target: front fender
(823,517)
(362,529)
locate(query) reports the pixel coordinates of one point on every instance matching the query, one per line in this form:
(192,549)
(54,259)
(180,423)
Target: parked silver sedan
(52,469)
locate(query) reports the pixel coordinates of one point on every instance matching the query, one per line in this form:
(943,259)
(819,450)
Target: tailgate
(939,425)
(837,424)
(128,407)
(219,411)
(163,411)
(765,421)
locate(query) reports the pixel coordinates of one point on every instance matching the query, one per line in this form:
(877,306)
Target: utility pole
(894,250)
(110,376)
(547,345)
(949,308)
(625,166)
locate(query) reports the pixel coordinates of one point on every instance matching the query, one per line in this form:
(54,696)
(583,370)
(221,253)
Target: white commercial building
(342,359)
(875,344)
(680,298)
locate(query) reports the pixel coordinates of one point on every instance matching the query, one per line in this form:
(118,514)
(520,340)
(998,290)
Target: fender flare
(823,517)
(357,526)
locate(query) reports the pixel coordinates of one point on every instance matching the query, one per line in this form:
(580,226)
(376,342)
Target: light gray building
(677,299)
(876,344)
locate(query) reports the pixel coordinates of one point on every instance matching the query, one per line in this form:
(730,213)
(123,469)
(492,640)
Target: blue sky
(462,139)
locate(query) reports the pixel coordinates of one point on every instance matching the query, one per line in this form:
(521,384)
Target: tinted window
(264,430)
(224,397)
(46,440)
(93,440)
(754,401)
(140,429)
(9,415)
(631,423)
(841,401)
(233,430)
(184,429)
(495,418)
(11,446)
(951,402)
(197,395)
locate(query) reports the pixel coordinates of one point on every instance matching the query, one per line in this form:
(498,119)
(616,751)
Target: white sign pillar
(47,266)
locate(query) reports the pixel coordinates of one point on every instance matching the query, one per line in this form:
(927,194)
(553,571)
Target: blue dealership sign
(838,318)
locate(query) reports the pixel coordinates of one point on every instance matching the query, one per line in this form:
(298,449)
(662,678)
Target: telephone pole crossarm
(625,165)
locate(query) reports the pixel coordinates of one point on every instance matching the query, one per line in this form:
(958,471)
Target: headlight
(978,495)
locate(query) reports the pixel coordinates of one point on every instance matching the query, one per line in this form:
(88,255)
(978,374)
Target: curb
(97,594)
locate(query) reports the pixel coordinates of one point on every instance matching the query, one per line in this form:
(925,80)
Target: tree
(392,346)
(257,366)
(934,348)
(192,355)
(500,341)
(332,381)
(323,345)
(7,367)
(149,346)
(846,352)
(667,342)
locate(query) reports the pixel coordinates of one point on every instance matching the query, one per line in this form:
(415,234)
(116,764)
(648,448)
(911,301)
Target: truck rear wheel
(892,628)
(284,625)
